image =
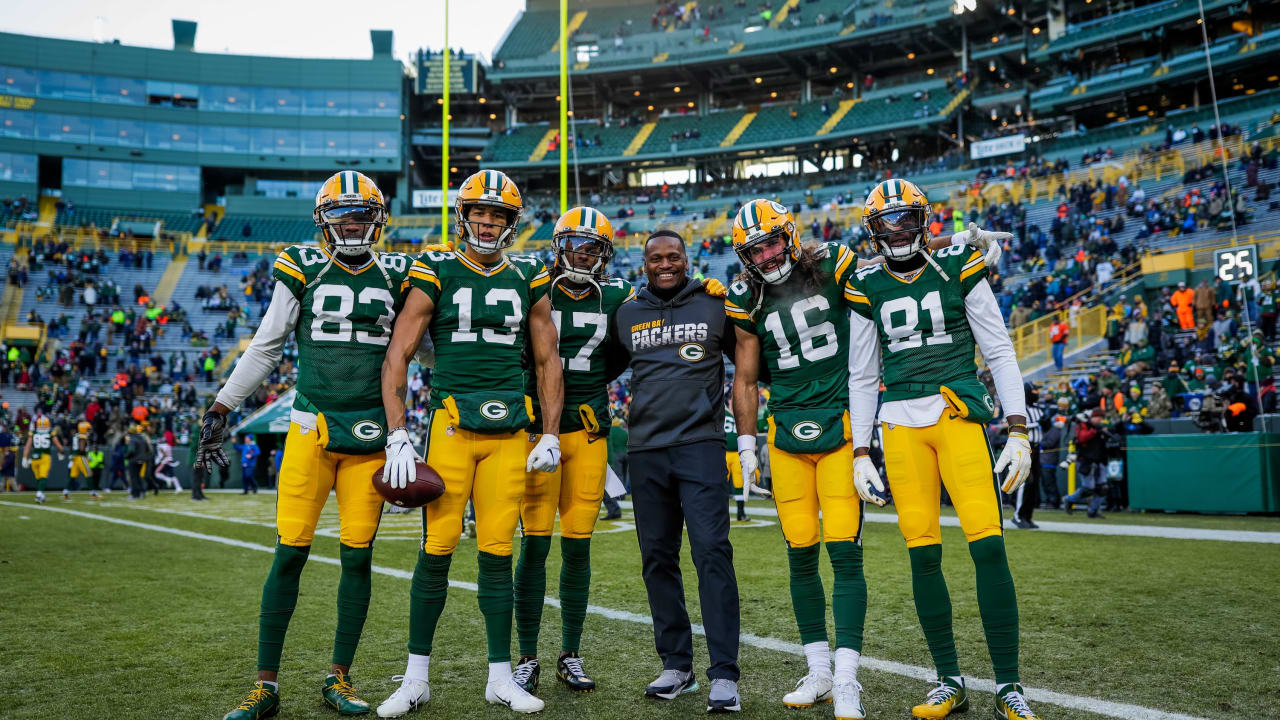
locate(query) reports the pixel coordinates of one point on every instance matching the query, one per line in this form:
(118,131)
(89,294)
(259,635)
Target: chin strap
(928,256)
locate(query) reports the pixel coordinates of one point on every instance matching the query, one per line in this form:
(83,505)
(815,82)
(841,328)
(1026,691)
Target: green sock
(575,586)
(531,587)
(495,597)
(998,606)
(353,601)
(849,596)
(933,607)
(40,484)
(427,593)
(808,599)
(279,597)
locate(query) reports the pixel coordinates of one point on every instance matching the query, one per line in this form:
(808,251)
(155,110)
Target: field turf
(105,620)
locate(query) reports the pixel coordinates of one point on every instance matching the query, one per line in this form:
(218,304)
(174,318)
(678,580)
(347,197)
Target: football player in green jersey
(788,312)
(583,302)
(917,322)
(338,301)
(483,309)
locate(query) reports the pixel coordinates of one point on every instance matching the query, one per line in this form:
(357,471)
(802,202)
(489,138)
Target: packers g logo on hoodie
(693,352)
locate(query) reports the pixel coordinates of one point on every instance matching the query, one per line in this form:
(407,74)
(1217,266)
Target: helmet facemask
(351,229)
(899,232)
(592,246)
(774,268)
(506,234)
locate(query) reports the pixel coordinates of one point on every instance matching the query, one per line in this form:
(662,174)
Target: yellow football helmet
(350,212)
(83,428)
(43,424)
(583,231)
(757,225)
(896,217)
(495,189)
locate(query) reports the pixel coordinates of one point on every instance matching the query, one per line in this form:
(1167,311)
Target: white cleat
(40,497)
(410,695)
(507,692)
(812,689)
(848,701)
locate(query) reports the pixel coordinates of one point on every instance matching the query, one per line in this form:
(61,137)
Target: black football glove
(213,431)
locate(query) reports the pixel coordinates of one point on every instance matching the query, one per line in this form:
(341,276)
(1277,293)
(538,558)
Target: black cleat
(569,670)
(526,674)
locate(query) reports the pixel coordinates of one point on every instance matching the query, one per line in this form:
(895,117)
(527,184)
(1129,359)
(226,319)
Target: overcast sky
(319,28)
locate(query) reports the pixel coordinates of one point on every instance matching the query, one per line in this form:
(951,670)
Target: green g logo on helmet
(806,431)
(366,430)
(494,410)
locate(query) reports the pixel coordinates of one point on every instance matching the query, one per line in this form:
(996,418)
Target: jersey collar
(481,269)
(373,257)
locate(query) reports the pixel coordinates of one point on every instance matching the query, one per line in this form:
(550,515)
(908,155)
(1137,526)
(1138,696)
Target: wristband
(746,442)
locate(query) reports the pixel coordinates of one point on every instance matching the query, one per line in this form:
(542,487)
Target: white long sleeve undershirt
(265,350)
(987,324)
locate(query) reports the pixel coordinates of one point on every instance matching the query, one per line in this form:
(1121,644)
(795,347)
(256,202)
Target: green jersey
(804,340)
(343,329)
(803,327)
(41,443)
(925,337)
(583,321)
(480,323)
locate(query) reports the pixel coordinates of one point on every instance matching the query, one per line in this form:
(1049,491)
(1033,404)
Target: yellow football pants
(735,469)
(40,466)
(951,452)
(575,488)
(79,466)
(489,470)
(307,473)
(803,484)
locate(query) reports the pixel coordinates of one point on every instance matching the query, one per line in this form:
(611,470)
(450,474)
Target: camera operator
(1242,408)
(1091,468)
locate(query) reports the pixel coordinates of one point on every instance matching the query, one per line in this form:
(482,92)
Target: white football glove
(26,463)
(399,470)
(1017,457)
(545,456)
(866,478)
(750,464)
(990,242)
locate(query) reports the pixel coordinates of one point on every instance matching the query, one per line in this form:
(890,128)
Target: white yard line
(1123,711)
(1155,531)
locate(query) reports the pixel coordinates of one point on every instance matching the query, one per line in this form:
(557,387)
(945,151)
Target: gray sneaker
(723,697)
(672,684)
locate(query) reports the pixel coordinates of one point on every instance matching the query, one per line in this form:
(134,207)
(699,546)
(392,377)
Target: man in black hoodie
(675,336)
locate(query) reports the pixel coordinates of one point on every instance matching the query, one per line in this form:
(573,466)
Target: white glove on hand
(545,456)
(750,464)
(26,463)
(989,242)
(399,470)
(866,478)
(1017,457)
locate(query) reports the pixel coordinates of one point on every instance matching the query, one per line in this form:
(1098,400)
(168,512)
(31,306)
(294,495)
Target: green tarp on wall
(1226,473)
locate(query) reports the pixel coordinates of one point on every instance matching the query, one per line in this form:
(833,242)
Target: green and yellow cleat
(341,696)
(948,697)
(262,702)
(1011,704)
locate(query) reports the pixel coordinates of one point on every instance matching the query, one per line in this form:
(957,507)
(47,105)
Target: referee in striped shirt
(1027,497)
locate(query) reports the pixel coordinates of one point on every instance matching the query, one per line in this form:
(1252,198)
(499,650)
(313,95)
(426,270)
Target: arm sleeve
(864,377)
(983,312)
(263,354)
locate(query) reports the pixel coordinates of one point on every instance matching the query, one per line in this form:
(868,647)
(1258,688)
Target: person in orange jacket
(1183,300)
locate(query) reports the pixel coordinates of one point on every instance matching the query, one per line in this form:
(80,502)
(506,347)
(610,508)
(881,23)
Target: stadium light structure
(963,6)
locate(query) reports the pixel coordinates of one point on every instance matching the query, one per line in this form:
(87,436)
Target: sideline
(1122,711)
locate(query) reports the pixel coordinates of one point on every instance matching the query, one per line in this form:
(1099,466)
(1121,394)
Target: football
(427,487)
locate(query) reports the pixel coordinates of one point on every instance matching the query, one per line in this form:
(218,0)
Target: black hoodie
(676,350)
